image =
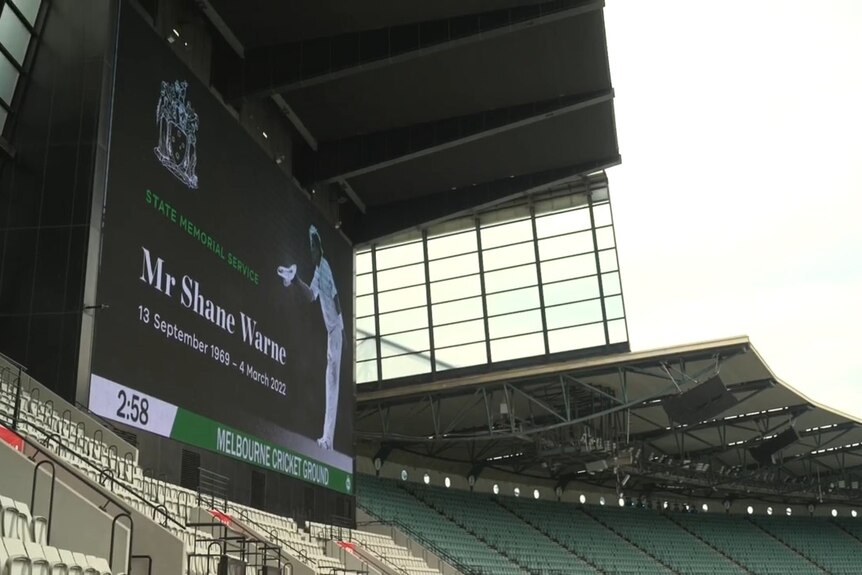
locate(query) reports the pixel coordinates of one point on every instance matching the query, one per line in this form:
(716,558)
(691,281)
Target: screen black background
(245,203)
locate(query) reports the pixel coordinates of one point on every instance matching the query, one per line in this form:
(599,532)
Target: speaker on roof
(763,453)
(596,466)
(700,403)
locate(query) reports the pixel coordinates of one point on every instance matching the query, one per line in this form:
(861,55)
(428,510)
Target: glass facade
(527,279)
(17,19)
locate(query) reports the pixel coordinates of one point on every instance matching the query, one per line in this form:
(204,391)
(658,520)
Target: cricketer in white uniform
(323,288)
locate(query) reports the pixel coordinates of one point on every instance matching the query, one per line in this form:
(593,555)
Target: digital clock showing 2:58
(117,402)
(133,407)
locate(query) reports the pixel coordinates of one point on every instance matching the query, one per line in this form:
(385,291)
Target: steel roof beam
(388,219)
(297,65)
(359,154)
(565,105)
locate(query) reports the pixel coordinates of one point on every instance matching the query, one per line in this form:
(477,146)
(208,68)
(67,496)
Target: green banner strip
(208,434)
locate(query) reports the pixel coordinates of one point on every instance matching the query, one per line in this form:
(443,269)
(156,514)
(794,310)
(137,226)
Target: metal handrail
(243,514)
(51,497)
(56,461)
(424,541)
(105,473)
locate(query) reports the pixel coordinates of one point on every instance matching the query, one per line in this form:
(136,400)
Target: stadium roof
(415,110)
(604,418)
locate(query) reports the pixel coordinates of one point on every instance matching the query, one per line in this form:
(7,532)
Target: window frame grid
(429,355)
(22,68)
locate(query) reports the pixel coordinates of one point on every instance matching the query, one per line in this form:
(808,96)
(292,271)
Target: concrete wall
(83,513)
(75,522)
(355,563)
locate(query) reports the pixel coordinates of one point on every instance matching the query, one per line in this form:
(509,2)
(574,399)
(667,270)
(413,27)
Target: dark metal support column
(598,263)
(432,352)
(484,294)
(541,284)
(377,336)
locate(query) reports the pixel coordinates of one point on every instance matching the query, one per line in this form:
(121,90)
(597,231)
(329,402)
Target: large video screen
(226,299)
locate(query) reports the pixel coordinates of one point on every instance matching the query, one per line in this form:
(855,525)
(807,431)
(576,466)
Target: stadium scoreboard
(200,339)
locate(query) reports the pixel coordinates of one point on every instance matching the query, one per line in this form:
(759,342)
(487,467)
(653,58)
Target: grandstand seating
(824,543)
(391,554)
(752,547)
(170,504)
(24,549)
(384,500)
(603,548)
(478,534)
(658,536)
(498,527)
(611,539)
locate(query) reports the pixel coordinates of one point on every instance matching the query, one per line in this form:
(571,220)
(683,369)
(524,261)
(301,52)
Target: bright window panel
(581,337)
(614,307)
(453,267)
(515,324)
(401,277)
(366,371)
(363,262)
(8,79)
(13,34)
(617,331)
(563,223)
(401,299)
(461,356)
(399,255)
(410,341)
(517,300)
(365,327)
(504,234)
(455,289)
(574,314)
(602,214)
(571,290)
(456,311)
(364,284)
(452,245)
(364,305)
(568,268)
(508,256)
(29,8)
(611,283)
(562,246)
(512,278)
(515,347)
(403,320)
(404,365)
(605,238)
(608,261)
(459,333)
(366,349)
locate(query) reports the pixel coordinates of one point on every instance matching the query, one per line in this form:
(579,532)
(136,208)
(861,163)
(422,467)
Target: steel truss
(565,426)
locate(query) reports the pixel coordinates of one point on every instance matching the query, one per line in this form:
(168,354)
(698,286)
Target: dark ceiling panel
(579,137)
(267,22)
(564,57)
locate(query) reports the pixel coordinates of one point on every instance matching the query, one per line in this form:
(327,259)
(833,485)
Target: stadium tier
(604,548)
(474,534)
(173,508)
(823,543)
(656,535)
(554,537)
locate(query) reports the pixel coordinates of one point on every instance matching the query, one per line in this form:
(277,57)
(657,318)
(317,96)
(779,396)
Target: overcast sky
(737,205)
